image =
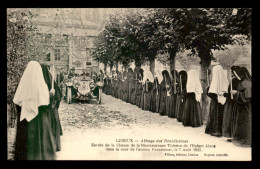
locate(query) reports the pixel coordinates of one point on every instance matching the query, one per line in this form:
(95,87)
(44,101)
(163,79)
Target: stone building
(68,35)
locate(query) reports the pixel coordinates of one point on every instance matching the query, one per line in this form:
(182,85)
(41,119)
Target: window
(57,54)
(95,63)
(48,57)
(88,61)
(87,52)
(82,42)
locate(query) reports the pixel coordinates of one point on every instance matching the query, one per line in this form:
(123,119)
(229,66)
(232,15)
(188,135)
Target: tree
(17,48)
(206,29)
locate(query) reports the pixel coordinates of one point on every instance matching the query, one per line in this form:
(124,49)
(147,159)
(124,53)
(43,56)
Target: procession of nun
(173,94)
(178,95)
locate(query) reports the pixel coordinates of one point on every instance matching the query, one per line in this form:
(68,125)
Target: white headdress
(148,75)
(194,85)
(32,91)
(219,83)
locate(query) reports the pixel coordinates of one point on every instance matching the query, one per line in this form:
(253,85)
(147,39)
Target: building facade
(68,35)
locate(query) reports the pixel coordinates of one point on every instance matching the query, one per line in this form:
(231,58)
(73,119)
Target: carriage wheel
(99,95)
(69,99)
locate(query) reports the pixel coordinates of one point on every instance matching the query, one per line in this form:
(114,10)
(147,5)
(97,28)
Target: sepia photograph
(129,84)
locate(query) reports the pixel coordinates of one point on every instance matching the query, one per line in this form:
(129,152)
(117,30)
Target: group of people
(173,94)
(178,95)
(230,113)
(38,124)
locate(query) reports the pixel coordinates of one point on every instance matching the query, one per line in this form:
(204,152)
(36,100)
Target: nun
(183,91)
(154,94)
(218,86)
(121,86)
(242,133)
(175,95)
(119,77)
(228,106)
(114,84)
(139,94)
(130,78)
(109,84)
(158,80)
(141,75)
(34,137)
(148,85)
(54,106)
(135,86)
(124,86)
(192,115)
(165,96)
(105,87)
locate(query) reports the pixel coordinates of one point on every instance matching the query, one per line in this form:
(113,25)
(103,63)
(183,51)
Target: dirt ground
(87,124)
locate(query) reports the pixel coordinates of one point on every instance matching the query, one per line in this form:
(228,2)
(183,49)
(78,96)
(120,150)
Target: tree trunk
(172,60)
(125,67)
(117,67)
(152,65)
(111,67)
(205,63)
(105,68)
(137,64)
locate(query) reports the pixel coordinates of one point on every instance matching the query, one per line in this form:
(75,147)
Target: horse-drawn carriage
(82,88)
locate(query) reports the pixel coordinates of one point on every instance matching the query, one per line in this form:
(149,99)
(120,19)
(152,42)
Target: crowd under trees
(143,34)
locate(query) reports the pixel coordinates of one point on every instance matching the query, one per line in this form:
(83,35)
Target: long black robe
(142,97)
(229,111)
(158,94)
(117,89)
(109,87)
(215,119)
(173,98)
(192,112)
(175,95)
(121,89)
(148,96)
(39,139)
(182,105)
(139,93)
(125,90)
(183,92)
(56,126)
(132,91)
(242,131)
(163,95)
(154,95)
(113,87)
(105,86)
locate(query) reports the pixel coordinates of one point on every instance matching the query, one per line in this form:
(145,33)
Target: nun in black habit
(218,86)
(228,107)
(175,95)
(55,103)
(125,86)
(141,88)
(183,82)
(192,111)
(165,96)
(135,86)
(38,127)
(148,85)
(157,81)
(155,94)
(130,78)
(242,133)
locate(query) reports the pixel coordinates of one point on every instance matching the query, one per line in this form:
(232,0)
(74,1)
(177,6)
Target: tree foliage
(17,34)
